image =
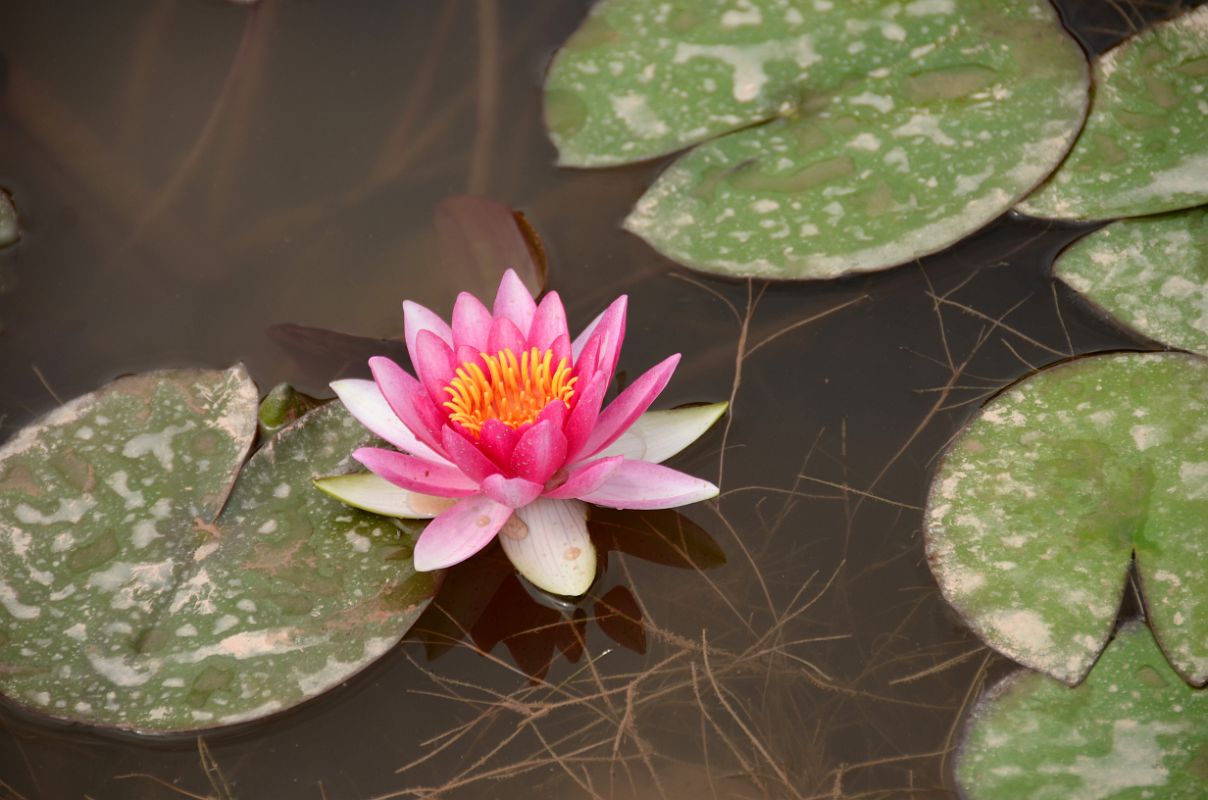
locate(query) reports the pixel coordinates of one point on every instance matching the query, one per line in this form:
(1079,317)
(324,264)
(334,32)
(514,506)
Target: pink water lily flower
(503,431)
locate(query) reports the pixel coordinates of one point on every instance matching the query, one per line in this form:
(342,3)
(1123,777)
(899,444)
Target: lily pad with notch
(1132,730)
(130,601)
(888,131)
(1150,274)
(1041,503)
(1144,149)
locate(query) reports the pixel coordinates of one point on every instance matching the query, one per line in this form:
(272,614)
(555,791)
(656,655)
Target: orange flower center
(514,392)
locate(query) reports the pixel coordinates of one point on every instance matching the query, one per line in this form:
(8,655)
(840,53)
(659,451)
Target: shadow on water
(191,173)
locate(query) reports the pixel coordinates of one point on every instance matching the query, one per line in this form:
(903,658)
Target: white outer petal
(369,492)
(658,435)
(364,400)
(548,543)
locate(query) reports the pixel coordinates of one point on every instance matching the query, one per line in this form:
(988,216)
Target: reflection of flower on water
(503,430)
(482,604)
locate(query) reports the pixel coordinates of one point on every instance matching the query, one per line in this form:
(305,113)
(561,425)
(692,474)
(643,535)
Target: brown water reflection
(192,172)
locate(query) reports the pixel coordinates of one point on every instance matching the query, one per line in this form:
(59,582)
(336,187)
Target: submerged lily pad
(896,129)
(1042,501)
(1150,274)
(1133,730)
(1145,145)
(129,601)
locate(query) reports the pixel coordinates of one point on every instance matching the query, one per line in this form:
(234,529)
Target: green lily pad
(129,601)
(1145,146)
(1132,730)
(1150,274)
(1042,501)
(895,129)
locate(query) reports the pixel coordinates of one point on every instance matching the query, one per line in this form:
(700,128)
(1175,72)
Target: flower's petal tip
(548,543)
(459,532)
(382,362)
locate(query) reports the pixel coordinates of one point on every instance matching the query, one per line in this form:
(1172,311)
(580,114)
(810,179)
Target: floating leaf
(130,604)
(1042,501)
(1145,145)
(1133,730)
(897,130)
(1151,274)
(481,238)
(322,354)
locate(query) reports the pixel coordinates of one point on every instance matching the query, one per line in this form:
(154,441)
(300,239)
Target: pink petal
(434,365)
(417,318)
(549,322)
(587,359)
(586,478)
(469,355)
(609,329)
(409,400)
(555,411)
(471,323)
(497,441)
(582,420)
(365,402)
(548,543)
(561,349)
(629,405)
(460,532)
(512,492)
(639,484)
(416,474)
(505,335)
(515,303)
(466,455)
(540,452)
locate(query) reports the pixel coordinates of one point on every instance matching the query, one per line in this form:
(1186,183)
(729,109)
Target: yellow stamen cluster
(514,392)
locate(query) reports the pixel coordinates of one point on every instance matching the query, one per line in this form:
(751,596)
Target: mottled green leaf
(1145,145)
(1042,500)
(129,601)
(1133,730)
(895,129)
(1150,274)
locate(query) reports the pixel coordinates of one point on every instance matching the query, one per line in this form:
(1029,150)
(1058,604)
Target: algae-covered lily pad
(1132,730)
(128,600)
(1144,149)
(895,128)
(1043,499)
(1151,274)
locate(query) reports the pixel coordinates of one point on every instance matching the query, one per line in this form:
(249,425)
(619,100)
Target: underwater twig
(166,195)
(46,384)
(487,105)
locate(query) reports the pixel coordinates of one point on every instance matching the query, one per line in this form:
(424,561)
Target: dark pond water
(191,172)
